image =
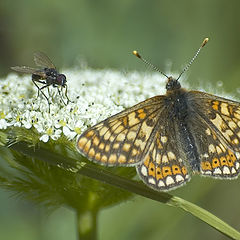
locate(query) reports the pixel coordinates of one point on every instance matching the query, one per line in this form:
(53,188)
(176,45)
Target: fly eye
(62,79)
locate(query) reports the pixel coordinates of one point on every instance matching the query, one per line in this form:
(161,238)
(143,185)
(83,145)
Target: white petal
(44,138)
(3,124)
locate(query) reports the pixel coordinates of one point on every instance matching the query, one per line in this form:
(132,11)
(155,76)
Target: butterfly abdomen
(188,146)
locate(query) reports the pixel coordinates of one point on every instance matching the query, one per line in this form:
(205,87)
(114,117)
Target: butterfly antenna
(194,57)
(148,63)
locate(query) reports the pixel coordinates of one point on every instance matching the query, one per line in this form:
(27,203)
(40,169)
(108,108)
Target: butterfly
(168,137)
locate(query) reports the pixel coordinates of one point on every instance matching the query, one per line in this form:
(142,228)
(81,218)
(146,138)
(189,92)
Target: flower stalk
(87,225)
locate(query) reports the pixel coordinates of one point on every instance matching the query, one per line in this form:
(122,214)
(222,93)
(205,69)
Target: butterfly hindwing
(216,127)
(164,166)
(124,138)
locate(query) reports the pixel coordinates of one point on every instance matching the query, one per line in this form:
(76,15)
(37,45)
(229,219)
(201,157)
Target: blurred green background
(103,33)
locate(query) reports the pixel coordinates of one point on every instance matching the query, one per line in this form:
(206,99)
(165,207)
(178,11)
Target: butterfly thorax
(176,100)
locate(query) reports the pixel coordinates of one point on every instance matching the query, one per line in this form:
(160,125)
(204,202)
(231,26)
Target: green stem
(97,173)
(87,225)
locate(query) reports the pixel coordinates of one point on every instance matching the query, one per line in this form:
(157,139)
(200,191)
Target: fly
(47,75)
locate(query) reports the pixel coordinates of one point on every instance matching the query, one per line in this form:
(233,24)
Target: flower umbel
(95,95)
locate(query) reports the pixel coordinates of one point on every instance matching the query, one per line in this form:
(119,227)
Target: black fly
(47,75)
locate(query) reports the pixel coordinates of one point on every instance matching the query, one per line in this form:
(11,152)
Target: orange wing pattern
(123,139)
(164,166)
(216,125)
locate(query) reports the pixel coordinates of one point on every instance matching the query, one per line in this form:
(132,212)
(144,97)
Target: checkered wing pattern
(123,139)
(217,134)
(164,165)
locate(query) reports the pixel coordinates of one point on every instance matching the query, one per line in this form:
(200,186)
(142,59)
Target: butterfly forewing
(123,139)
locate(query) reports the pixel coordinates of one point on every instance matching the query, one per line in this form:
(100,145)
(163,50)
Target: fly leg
(68,100)
(36,78)
(59,92)
(40,90)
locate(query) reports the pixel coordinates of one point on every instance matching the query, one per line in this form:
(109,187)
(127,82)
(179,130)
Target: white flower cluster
(95,95)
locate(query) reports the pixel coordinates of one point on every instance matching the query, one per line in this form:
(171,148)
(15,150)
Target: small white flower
(44,138)
(56,135)
(3,124)
(68,133)
(26,124)
(51,133)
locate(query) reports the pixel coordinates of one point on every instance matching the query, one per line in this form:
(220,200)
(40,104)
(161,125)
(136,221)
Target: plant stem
(87,225)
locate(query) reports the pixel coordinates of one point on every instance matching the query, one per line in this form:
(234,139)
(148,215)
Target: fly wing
(25,69)
(42,60)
